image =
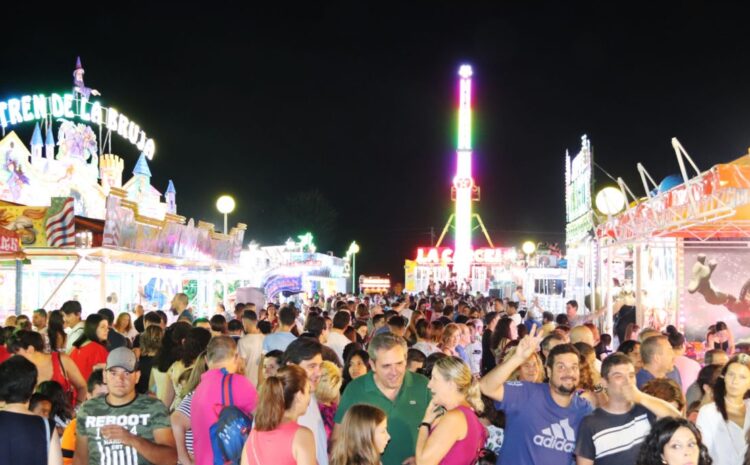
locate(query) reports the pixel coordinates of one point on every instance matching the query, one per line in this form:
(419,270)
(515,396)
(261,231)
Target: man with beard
(541,419)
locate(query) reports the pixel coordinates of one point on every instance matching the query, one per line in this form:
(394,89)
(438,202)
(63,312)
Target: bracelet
(424,423)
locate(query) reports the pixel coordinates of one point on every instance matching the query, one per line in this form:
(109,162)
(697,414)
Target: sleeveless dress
(272,447)
(466,450)
(59,375)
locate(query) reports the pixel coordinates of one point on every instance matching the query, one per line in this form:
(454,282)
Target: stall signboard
(717,287)
(481,256)
(52,226)
(9,242)
(275,285)
(578,185)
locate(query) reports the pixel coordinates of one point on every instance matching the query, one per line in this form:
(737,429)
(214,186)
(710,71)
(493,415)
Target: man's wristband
(424,423)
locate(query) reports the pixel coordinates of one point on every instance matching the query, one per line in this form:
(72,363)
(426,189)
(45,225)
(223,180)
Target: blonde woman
(531,371)
(453,438)
(363,437)
(124,325)
(328,393)
(449,340)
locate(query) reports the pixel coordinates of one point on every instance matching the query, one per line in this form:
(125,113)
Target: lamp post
(353,250)
(528,248)
(225,205)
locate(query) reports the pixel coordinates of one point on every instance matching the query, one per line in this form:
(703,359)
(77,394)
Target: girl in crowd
(450,339)
(423,343)
(724,421)
(193,345)
(501,338)
(411,330)
(27,438)
(50,367)
(531,371)
(169,352)
(358,364)
(61,411)
(124,326)
(272,363)
(720,337)
(90,350)
(363,437)
(56,331)
(328,393)
(276,437)
(181,426)
(150,341)
(456,437)
(673,441)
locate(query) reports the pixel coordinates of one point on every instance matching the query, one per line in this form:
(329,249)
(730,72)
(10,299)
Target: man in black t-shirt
(613,433)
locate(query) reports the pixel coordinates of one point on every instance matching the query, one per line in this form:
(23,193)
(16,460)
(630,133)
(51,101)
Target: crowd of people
(455,379)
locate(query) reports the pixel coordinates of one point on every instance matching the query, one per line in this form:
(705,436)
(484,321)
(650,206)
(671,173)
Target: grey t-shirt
(613,439)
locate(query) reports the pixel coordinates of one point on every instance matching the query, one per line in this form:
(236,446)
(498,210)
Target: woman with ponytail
(456,436)
(362,437)
(276,437)
(724,422)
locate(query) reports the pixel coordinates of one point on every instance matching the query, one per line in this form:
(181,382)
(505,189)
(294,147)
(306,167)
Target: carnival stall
(686,248)
(84,234)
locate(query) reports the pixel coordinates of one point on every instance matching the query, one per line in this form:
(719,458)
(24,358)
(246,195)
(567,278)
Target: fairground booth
(682,252)
(72,229)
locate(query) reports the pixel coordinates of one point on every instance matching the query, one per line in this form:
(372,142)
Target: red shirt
(4,354)
(87,356)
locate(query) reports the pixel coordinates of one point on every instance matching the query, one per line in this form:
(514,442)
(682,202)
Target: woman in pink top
(276,437)
(456,437)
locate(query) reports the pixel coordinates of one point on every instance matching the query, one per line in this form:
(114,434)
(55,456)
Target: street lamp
(225,205)
(528,248)
(353,250)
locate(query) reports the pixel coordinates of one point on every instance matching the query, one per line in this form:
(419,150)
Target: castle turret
(141,167)
(110,171)
(49,144)
(169,197)
(36,144)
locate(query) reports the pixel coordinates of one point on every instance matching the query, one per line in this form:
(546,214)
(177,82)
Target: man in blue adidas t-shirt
(541,420)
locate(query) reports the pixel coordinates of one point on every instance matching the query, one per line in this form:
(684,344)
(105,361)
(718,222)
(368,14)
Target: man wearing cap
(123,427)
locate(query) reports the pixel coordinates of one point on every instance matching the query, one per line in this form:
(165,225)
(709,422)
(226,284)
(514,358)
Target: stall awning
(123,256)
(715,204)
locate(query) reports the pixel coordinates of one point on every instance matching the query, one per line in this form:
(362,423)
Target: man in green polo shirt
(402,395)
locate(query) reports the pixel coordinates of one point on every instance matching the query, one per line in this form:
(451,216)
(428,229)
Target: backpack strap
(226,390)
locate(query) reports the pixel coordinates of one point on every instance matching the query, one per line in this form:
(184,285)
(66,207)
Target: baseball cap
(122,357)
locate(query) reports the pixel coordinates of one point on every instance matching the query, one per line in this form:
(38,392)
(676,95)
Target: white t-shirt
(724,439)
(312,419)
(337,342)
(250,348)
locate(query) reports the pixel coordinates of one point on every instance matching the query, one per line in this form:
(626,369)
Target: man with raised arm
(541,419)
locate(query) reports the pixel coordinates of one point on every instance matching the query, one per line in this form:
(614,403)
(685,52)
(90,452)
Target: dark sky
(358,101)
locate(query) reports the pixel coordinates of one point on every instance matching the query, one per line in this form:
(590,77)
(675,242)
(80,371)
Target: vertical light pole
(353,250)
(225,205)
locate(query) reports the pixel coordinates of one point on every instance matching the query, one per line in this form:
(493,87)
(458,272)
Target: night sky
(339,118)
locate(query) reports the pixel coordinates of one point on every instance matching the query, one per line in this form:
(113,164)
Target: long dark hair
(55,329)
(653,447)
(365,359)
(89,331)
(171,346)
(58,398)
(720,388)
(195,342)
(502,331)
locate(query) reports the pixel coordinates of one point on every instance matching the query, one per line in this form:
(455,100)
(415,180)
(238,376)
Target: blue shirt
(644,376)
(537,429)
(277,341)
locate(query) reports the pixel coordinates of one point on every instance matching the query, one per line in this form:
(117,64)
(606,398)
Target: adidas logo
(559,436)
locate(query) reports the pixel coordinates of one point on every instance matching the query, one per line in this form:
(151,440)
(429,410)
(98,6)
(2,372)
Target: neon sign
(463,181)
(482,256)
(39,107)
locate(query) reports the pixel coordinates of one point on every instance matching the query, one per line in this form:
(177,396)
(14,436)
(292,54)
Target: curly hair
(661,433)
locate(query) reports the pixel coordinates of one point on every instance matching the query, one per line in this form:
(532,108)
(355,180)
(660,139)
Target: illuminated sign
(39,107)
(444,256)
(578,184)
